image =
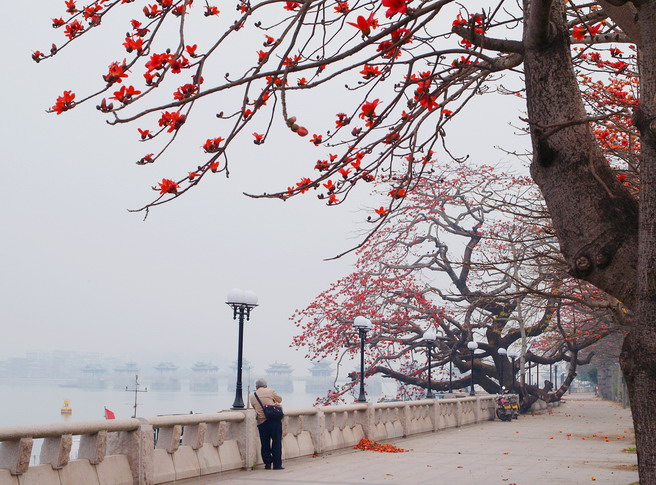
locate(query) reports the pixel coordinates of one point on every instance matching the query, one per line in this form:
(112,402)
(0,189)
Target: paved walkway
(580,442)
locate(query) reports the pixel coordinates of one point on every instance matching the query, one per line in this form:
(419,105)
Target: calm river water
(40,402)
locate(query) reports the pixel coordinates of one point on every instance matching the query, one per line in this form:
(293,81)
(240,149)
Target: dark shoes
(279,468)
(267,466)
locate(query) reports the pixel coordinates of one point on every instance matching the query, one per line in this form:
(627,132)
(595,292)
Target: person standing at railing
(270,429)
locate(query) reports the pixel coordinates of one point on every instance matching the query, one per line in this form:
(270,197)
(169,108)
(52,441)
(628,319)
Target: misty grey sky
(79,272)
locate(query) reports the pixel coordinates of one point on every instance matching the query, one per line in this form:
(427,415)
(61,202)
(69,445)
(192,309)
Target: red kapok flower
(167,186)
(394,7)
(365,25)
(64,102)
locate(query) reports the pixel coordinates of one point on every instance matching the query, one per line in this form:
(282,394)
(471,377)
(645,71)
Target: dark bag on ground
(271,412)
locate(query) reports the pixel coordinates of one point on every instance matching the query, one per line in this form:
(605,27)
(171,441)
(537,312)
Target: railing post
(317,425)
(246,434)
(406,420)
(458,413)
(477,409)
(435,409)
(56,451)
(366,419)
(138,446)
(15,455)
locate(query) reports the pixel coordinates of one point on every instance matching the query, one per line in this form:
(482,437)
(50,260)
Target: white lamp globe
(236,295)
(472,345)
(250,298)
(429,336)
(362,322)
(502,351)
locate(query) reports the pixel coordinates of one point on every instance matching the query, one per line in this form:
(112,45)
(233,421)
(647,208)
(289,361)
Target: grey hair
(260,383)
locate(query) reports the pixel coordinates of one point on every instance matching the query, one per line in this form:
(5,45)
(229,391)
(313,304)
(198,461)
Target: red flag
(109,414)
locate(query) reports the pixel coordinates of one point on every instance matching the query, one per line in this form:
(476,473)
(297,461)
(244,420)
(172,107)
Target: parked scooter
(507,407)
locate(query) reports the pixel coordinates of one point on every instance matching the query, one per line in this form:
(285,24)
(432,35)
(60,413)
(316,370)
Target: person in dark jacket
(270,431)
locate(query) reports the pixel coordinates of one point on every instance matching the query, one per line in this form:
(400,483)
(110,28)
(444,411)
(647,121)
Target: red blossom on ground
(371,445)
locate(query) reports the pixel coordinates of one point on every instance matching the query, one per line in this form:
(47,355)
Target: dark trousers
(271,440)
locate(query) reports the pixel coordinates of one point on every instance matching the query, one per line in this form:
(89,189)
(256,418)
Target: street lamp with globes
(241,302)
(429,337)
(502,356)
(472,346)
(513,355)
(363,325)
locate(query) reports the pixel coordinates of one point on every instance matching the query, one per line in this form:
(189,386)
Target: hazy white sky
(79,272)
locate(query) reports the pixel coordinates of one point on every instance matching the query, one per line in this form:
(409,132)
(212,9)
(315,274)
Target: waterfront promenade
(580,442)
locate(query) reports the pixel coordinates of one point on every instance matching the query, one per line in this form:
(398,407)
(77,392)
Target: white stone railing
(164,449)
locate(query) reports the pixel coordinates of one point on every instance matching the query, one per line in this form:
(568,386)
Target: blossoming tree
(472,256)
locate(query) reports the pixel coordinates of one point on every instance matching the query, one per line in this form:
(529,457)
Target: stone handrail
(164,449)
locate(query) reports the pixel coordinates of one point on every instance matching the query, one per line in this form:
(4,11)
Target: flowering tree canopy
(471,254)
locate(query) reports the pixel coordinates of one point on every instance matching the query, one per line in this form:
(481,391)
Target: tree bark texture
(638,357)
(595,218)
(605,237)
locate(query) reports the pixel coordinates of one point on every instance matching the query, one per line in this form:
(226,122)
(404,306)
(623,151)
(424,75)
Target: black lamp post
(451,375)
(502,356)
(363,325)
(429,337)
(556,376)
(513,355)
(472,346)
(241,302)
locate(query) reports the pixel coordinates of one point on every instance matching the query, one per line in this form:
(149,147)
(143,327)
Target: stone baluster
(194,436)
(169,438)
(93,447)
(137,445)
(56,451)
(15,455)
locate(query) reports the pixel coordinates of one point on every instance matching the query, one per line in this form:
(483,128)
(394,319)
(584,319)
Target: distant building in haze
(204,377)
(279,377)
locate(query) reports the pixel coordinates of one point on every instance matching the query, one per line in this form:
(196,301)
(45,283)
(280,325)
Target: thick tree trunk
(595,218)
(639,352)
